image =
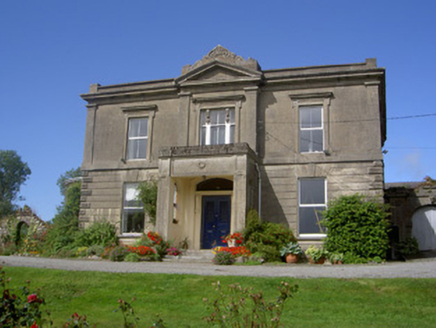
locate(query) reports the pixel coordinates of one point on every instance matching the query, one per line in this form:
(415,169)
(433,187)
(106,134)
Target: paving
(420,268)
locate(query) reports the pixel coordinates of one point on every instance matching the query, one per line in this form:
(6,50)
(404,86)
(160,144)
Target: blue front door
(215,221)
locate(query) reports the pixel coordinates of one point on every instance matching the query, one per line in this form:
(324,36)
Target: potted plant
(234,239)
(291,252)
(336,258)
(316,255)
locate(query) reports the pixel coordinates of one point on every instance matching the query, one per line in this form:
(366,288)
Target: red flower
(34,325)
(32,298)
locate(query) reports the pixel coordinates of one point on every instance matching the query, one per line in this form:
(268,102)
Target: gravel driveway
(423,268)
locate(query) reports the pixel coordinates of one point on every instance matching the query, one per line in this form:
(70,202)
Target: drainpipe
(259,180)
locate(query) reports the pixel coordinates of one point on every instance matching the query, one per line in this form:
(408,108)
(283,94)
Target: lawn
(179,298)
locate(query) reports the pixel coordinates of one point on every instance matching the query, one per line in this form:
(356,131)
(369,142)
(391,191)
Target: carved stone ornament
(219,53)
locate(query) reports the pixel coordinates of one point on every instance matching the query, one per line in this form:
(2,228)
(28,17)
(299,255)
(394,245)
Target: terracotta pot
(320,261)
(291,258)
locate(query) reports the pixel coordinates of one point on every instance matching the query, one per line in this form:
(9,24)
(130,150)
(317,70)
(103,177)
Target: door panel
(215,220)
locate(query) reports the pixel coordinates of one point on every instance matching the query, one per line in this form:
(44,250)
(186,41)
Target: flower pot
(320,261)
(231,243)
(291,258)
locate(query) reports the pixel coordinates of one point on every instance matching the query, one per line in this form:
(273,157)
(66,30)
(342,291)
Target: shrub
(408,248)
(96,250)
(148,196)
(356,226)
(154,240)
(99,233)
(118,253)
(266,238)
(224,258)
(132,257)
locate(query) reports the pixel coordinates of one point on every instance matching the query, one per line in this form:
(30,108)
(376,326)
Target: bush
(224,258)
(118,253)
(96,250)
(266,238)
(99,233)
(154,240)
(132,257)
(408,248)
(356,227)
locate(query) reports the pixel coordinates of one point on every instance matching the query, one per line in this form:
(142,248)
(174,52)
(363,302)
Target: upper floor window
(137,138)
(217,126)
(312,201)
(311,129)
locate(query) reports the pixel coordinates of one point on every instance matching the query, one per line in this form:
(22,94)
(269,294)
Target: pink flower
(32,298)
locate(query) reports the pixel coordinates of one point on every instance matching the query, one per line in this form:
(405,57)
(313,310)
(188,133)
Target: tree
(66,177)
(13,173)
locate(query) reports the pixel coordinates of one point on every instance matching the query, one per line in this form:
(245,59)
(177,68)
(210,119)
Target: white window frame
(139,112)
(302,205)
(316,128)
(138,209)
(228,124)
(131,139)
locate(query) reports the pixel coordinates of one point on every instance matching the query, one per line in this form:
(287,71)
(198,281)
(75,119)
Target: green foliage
(99,233)
(356,226)
(154,240)
(148,196)
(13,173)
(266,238)
(291,248)
(408,247)
(118,253)
(242,307)
(130,318)
(65,226)
(316,253)
(96,250)
(132,257)
(20,310)
(224,258)
(68,177)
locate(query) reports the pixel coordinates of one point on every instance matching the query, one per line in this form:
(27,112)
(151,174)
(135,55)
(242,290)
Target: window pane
(131,195)
(138,127)
(133,220)
(137,148)
(312,191)
(310,218)
(310,117)
(311,140)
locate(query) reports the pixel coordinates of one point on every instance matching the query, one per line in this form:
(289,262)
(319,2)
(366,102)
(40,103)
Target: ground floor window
(133,210)
(312,201)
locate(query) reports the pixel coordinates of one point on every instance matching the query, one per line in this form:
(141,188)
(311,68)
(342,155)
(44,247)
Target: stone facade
(285,140)
(413,208)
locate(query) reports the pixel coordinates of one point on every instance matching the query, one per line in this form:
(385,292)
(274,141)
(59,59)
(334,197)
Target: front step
(204,256)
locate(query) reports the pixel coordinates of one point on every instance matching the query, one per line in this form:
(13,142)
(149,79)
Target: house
(225,137)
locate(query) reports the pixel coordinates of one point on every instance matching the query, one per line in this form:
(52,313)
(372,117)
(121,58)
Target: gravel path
(424,268)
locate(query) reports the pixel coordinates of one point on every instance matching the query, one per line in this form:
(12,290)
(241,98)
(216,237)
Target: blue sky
(51,51)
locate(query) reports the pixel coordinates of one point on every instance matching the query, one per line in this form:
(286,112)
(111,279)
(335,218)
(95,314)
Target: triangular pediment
(218,72)
(220,65)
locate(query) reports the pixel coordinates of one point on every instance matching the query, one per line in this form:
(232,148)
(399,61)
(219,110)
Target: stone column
(249,118)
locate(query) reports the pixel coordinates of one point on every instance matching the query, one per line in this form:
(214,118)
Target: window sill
(312,236)
(130,235)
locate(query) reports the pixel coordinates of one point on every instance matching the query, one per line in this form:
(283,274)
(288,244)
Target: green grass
(179,298)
